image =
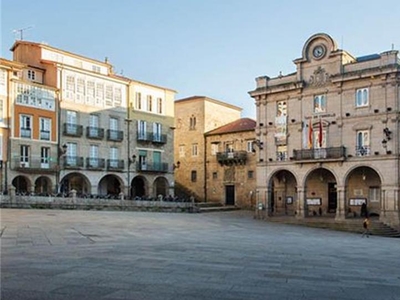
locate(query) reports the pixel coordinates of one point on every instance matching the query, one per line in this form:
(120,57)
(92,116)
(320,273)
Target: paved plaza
(54,254)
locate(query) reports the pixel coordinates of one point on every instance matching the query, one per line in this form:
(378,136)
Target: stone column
(341,203)
(390,210)
(301,200)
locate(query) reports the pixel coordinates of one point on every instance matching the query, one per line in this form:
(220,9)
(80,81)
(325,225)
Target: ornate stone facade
(341,116)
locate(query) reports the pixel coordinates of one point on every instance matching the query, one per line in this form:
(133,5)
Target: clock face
(319,51)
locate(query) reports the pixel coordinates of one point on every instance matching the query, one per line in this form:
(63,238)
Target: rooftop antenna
(21,32)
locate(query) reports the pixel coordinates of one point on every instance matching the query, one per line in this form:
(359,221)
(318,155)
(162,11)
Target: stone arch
(282,198)
(138,187)
(161,186)
(363,184)
(321,197)
(43,186)
(75,181)
(22,184)
(110,185)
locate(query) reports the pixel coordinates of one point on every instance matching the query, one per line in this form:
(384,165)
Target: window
(71,157)
(71,127)
(45,126)
(99,93)
(117,97)
(114,157)
(149,103)
(319,104)
(193,176)
(250,174)
(362,147)
(281,153)
(80,86)
(142,129)
(159,105)
(1,111)
(374,194)
(181,150)
(94,156)
(1,147)
(31,75)
(71,83)
(91,93)
(3,82)
(214,175)
(157,132)
(194,150)
(109,95)
(192,125)
(138,101)
(249,146)
(281,109)
(362,97)
(24,158)
(26,126)
(214,148)
(95,69)
(44,157)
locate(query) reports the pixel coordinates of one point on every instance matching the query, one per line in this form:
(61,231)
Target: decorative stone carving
(320,78)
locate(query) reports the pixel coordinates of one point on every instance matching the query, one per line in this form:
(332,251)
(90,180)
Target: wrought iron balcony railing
(39,165)
(94,133)
(321,153)
(94,163)
(115,135)
(73,162)
(152,167)
(115,164)
(72,129)
(232,157)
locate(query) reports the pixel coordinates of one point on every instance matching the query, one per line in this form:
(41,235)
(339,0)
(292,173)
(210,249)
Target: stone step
(218,208)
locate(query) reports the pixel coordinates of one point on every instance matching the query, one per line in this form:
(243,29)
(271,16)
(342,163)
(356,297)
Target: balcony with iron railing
(73,162)
(26,133)
(70,129)
(115,164)
(232,157)
(30,165)
(363,150)
(45,135)
(115,135)
(152,167)
(95,163)
(159,138)
(331,153)
(144,137)
(94,133)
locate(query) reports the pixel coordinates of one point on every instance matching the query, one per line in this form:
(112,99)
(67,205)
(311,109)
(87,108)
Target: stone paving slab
(55,254)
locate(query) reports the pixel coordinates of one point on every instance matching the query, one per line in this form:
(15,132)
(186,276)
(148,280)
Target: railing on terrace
(94,132)
(34,165)
(321,153)
(232,157)
(115,164)
(115,135)
(152,167)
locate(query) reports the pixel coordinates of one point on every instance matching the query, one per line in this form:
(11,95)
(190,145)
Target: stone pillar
(13,198)
(73,195)
(390,207)
(341,203)
(301,201)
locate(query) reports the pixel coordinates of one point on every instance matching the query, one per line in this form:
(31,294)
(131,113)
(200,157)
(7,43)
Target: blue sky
(214,48)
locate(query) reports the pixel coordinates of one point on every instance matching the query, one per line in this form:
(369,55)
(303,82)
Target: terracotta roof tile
(243,124)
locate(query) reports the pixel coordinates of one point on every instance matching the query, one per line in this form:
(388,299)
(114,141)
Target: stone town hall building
(329,135)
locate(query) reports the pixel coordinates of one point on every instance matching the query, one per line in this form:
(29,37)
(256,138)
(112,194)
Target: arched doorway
(363,186)
(21,184)
(75,181)
(161,186)
(282,199)
(109,185)
(321,193)
(138,187)
(43,186)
